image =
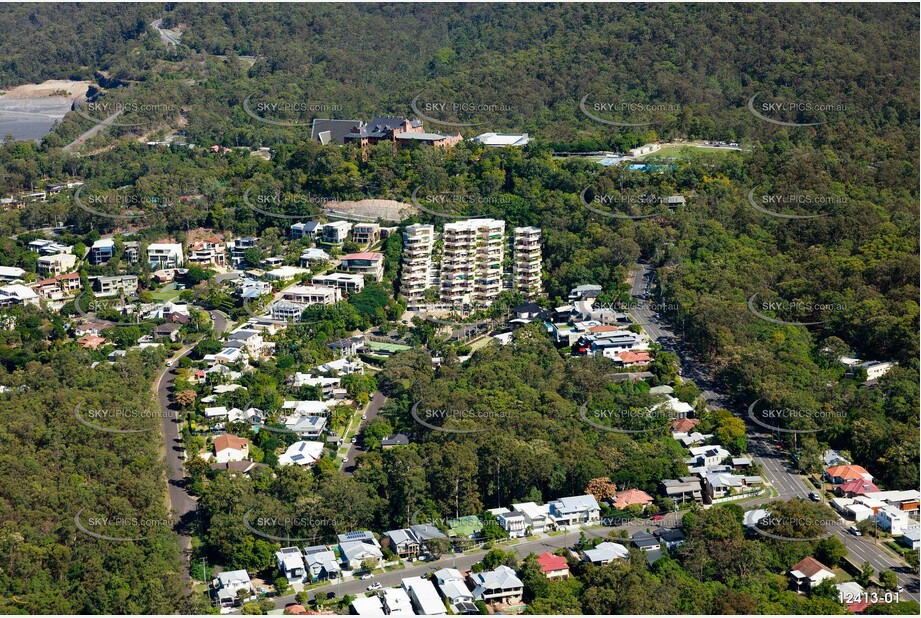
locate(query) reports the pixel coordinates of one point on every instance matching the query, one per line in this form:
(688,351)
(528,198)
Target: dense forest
(67,482)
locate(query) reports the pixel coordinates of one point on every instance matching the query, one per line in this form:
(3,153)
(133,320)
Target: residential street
(775,465)
(356,449)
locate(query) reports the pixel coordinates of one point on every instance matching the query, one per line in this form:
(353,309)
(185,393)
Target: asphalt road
(373,409)
(775,464)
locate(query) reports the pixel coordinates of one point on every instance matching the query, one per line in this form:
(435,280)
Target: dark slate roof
(335,130)
(395,440)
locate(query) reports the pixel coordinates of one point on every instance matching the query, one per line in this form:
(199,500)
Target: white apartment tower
(471,266)
(526,269)
(416,276)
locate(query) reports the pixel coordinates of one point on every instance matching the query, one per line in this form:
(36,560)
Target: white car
(364,417)
(375,586)
(366,576)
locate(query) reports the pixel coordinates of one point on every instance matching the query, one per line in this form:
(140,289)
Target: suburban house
(515,524)
(467,527)
(631,497)
(403,542)
(575,510)
(424,597)
(644,541)
(396,601)
(537,517)
(17,294)
(358,547)
(670,537)
(397,439)
(230,448)
(207,252)
(9,274)
(321,563)
(239,247)
(809,572)
(58,264)
(606,553)
(343,281)
(303,453)
(855,487)
(368,263)
(313,255)
(720,484)
(911,537)
(366,233)
(102,251)
(250,339)
(498,586)
(837,475)
(452,588)
(226,586)
(554,568)
(169,330)
(683,489)
(165,255)
(115,286)
(305,230)
(893,520)
(335,232)
(291,563)
(306,295)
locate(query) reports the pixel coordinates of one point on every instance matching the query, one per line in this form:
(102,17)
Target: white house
(226,587)
(606,553)
(809,572)
(290,562)
(498,586)
(17,294)
(230,448)
(575,510)
(452,588)
(892,520)
(536,516)
(424,597)
(303,453)
(165,255)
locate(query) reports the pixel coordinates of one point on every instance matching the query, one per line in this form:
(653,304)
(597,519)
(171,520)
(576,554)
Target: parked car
(353,440)
(853,530)
(375,586)
(813,496)
(366,576)
(658,517)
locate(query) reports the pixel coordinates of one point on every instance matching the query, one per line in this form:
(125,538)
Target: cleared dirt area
(372,210)
(52,87)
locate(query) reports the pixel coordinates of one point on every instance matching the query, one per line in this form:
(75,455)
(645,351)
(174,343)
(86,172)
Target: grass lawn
(168,292)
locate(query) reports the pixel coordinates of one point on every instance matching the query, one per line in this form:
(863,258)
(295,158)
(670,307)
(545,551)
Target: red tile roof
(631,496)
(229,441)
(848,472)
(684,425)
(858,487)
(549,562)
(634,357)
(809,566)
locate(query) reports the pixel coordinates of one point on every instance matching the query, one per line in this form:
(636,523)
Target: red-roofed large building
(553,567)
(840,474)
(90,342)
(368,263)
(809,572)
(630,497)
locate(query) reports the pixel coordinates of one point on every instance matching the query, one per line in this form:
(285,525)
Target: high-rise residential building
(471,265)
(526,270)
(416,276)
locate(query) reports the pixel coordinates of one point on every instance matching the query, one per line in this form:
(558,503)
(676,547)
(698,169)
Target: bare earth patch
(52,87)
(371,210)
